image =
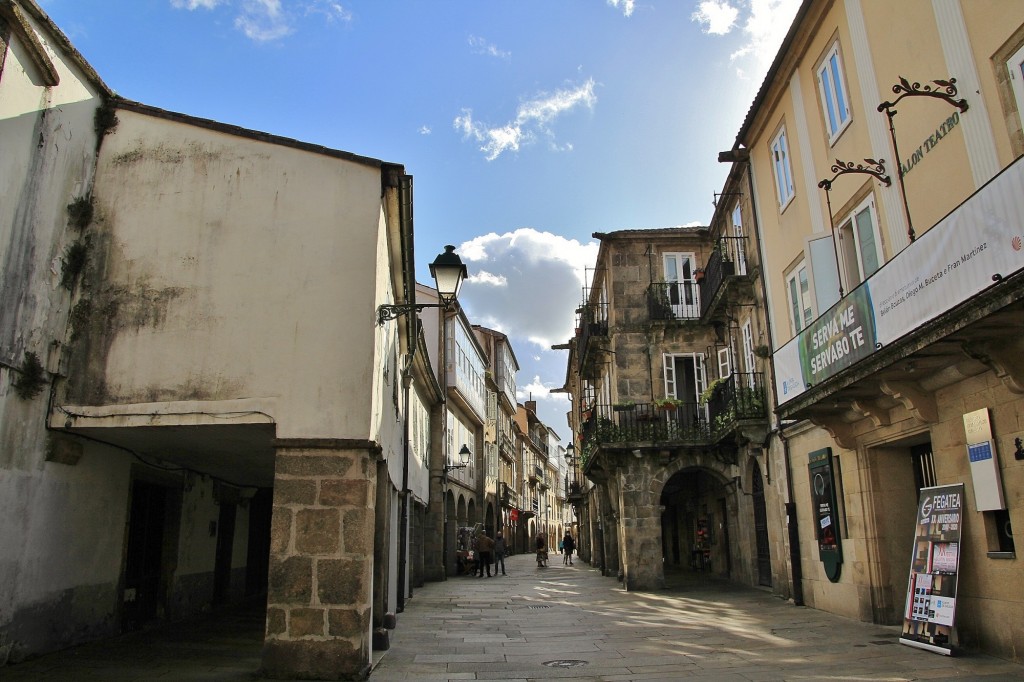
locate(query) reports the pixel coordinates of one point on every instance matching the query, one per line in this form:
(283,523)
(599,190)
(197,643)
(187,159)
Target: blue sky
(528,125)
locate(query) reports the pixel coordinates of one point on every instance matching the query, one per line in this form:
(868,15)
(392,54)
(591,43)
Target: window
(798,291)
(681,285)
(834,103)
(1015,65)
(783,172)
(748,348)
(724,363)
(686,380)
(860,244)
(741,243)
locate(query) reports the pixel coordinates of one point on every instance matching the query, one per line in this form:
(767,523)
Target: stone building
(196,404)
(458,456)
(893,268)
(669,407)
(499,488)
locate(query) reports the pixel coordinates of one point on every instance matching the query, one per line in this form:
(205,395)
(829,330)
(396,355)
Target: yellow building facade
(879,170)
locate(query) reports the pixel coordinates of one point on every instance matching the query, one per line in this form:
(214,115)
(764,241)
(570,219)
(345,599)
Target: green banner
(839,338)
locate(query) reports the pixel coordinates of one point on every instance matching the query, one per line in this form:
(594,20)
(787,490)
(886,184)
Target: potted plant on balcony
(624,406)
(709,392)
(698,275)
(668,404)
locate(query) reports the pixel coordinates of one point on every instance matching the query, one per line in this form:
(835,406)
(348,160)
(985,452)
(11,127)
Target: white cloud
(487,278)
(718,16)
(481,46)
(526,283)
(195,4)
(763,26)
(263,20)
(532,118)
(627,6)
(425,130)
(333,11)
(269,20)
(539,391)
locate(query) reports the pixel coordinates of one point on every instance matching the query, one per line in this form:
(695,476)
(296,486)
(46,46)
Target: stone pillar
(433,522)
(321,560)
(640,516)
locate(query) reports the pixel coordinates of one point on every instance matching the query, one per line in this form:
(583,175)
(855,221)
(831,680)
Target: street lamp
(448,272)
(464,455)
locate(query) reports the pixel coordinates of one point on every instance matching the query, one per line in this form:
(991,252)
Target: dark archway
(693,522)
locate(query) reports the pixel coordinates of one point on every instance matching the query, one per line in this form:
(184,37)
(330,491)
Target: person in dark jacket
(485,548)
(499,553)
(568,545)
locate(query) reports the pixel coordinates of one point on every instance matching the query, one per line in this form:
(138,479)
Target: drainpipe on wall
(403,523)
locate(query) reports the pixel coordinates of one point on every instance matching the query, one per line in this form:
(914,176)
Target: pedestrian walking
(568,545)
(485,549)
(499,553)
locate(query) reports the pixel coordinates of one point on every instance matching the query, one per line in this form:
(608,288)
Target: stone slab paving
(559,622)
(569,622)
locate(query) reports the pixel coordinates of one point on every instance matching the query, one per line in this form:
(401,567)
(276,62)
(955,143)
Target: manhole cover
(564,663)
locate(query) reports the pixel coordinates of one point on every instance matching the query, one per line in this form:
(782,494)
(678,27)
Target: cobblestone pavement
(570,622)
(554,622)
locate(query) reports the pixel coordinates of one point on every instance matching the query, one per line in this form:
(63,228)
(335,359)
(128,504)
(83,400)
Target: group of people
(566,546)
(490,551)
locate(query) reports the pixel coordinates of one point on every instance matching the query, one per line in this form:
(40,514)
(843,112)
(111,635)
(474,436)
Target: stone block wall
(321,558)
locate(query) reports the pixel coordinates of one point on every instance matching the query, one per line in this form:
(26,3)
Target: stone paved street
(570,622)
(556,622)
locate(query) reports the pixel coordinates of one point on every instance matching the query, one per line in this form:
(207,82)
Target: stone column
(433,522)
(321,559)
(640,516)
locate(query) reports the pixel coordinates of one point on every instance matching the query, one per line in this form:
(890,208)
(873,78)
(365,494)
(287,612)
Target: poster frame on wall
(825,512)
(929,616)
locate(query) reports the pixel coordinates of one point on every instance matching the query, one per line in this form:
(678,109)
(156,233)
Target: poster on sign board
(934,568)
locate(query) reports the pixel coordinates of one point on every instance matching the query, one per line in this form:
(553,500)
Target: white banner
(966,252)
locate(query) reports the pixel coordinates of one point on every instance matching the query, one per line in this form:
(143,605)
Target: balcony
(670,301)
(738,408)
(726,267)
(736,413)
(592,336)
(683,424)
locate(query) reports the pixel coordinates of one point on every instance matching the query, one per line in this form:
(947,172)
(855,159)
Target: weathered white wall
(60,564)
(226,267)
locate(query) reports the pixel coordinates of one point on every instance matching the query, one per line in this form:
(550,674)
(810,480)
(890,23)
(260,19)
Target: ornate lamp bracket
(944,90)
(876,169)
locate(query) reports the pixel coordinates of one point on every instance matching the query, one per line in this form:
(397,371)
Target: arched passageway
(695,522)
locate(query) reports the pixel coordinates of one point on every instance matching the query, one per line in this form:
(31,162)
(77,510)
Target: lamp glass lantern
(448,272)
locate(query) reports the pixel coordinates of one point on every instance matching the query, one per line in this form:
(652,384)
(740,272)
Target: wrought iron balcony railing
(738,397)
(593,324)
(728,259)
(673,300)
(683,423)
